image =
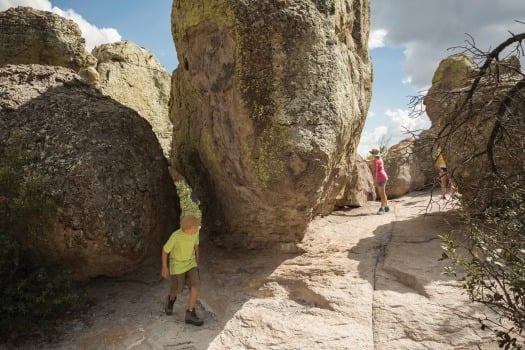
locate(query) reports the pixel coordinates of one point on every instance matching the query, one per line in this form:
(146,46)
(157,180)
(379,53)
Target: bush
(35,292)
(491,267)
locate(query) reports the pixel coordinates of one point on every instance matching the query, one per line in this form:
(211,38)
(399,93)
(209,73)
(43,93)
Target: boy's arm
(164,271)
(197,254)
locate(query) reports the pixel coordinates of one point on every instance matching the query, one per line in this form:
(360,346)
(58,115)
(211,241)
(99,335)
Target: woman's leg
(382,195)
(443,178)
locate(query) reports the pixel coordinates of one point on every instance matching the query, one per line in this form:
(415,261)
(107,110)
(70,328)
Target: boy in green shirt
(183,250)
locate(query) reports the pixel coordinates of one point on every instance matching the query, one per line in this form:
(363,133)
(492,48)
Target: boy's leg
(194,294)
(193,280)
(176,284)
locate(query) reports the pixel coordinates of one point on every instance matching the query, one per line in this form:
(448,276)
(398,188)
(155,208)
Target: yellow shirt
(440,159)
(181,249)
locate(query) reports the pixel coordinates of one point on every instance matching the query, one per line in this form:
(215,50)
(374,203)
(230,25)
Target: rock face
(404,170)
(107,172)
(360,189)
(133,76)
(269,101)
(493,124)
(31,36)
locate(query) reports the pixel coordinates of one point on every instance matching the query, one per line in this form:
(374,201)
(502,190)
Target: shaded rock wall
(133,76)
(268,104)
(107,171)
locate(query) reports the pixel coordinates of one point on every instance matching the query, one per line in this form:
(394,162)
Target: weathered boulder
(482,140)
(450,75)
(404,169)
(107,171)
(424,150)
(269,101)
(360,188)
(31,36)
(133,76)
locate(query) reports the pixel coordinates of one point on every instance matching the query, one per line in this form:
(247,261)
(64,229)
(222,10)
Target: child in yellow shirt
(183,250)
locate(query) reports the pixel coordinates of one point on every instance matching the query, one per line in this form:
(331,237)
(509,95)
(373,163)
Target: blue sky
(407,41)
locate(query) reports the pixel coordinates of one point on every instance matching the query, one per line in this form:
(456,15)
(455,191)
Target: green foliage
(34,292)
(491,266)
(187,205)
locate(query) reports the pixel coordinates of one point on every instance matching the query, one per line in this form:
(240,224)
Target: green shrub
(491,267)
(187,205)
(35,292)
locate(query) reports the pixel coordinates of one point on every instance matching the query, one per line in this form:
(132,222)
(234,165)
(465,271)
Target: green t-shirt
(181,249)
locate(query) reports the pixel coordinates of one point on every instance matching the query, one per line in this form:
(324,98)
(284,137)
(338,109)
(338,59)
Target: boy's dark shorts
(190,277)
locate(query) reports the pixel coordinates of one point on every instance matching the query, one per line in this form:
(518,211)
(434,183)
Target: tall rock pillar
(268,104)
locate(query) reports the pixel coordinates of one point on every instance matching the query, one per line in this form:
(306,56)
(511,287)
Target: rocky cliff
(107,171)
(133,76)
(269,100)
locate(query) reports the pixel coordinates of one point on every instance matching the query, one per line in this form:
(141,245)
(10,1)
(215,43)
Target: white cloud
(94,36)
(377,38)
(399,122)
(427,29)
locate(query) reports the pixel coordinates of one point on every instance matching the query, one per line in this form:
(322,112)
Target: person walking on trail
(444,178)
(380,180)
(183,250)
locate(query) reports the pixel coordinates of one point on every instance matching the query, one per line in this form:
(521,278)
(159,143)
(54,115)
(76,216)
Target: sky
(408,39)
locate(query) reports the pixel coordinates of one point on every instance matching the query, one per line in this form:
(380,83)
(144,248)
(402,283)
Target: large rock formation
(404,169)
(30,36)
(269,100)
(107,171)
(482,140)
(133,76)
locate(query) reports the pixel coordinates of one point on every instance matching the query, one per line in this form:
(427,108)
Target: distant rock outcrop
(107,171)
(404,169)
(30,36)
(269,101)
(482,140)
(133,76)
(360,189)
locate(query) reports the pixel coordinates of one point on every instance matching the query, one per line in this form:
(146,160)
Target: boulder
(404,170)
(268,103)
(450,75)
(117,202)
(481,140)
(360,188)
(133,76)
(31,36)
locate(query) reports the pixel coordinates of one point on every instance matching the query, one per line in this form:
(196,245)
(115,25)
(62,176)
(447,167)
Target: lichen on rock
(268,103)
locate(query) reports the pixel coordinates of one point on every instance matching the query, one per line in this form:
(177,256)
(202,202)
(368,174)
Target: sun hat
(374,151)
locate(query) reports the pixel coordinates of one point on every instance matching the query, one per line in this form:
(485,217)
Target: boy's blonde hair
(188,222)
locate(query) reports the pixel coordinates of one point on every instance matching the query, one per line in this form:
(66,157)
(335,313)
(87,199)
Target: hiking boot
(381,211)
(387,209)
(192,318)
(169,305)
